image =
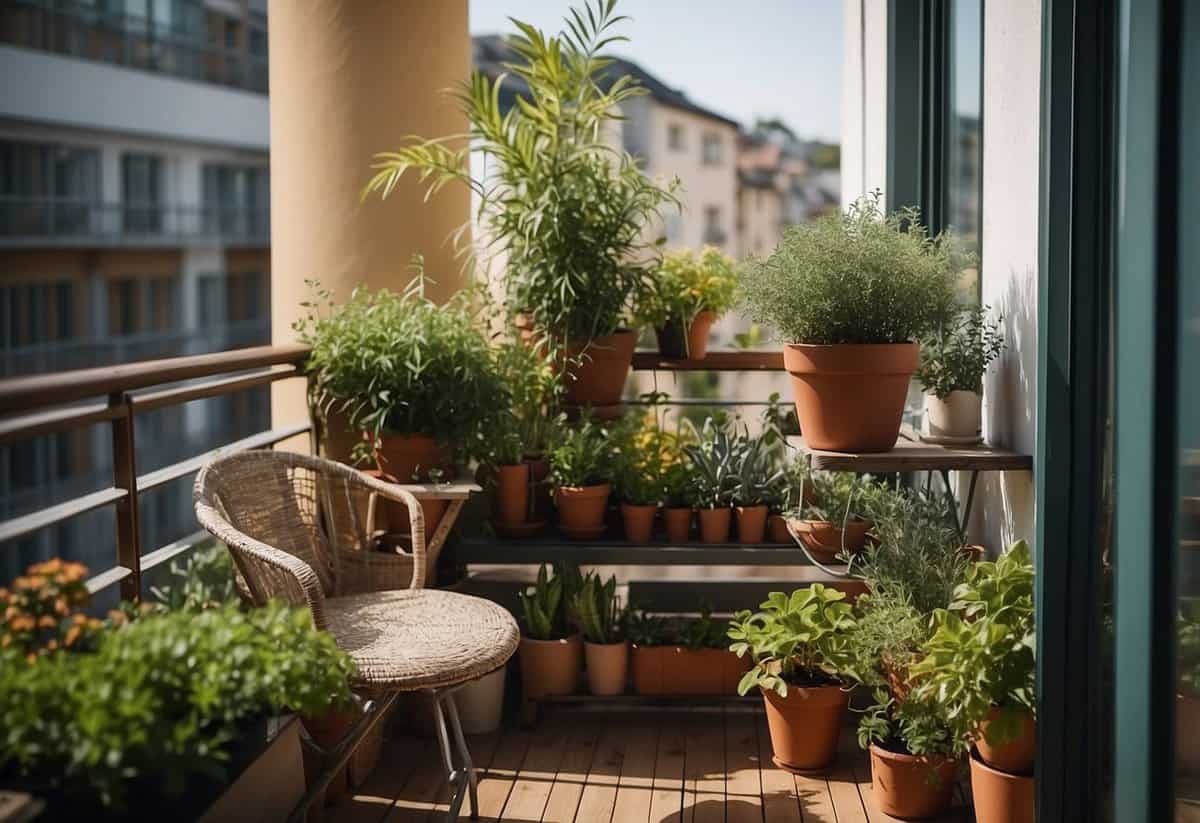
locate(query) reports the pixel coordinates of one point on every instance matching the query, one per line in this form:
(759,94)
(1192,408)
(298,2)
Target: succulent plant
(597,608)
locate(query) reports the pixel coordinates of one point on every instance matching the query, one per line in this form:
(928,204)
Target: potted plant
(754,488)
(566,210)
(685,297)
(851,294)
(648,637)
(687,657)
(953,360)
(640,462)
(913,757)
(597,609)
(833,523)
(979,667)
(798,646)
(581,465)
(714,460)
(551,652)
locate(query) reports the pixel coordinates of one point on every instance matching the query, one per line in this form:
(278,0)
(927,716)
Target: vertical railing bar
(124,457)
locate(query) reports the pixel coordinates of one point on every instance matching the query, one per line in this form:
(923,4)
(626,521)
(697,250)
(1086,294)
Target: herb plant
(685,285)
(702,632)
(801,640)
(838,497)
(644,455)
(566,210)
(907,726)
(597,609)
(954,357)
(756,479)
(525,426)
(583,457)
(715,459)
(887,639)
(855,277)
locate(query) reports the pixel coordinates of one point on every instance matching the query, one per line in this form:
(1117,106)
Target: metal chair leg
(465,753)
(462,781)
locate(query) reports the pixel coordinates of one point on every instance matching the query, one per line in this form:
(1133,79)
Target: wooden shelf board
(913,454)
(716,360)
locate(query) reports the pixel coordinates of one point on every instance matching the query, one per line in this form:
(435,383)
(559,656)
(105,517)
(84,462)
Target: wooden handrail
(18,394)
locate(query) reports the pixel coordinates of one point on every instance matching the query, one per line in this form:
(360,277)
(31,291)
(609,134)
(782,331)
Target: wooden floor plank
(427,789)
(704,788)
(483,749)
(843,781)
(780,804)
(372,801)
(743,780)
(666,799)
(496,783)
(600,792)
(572,773)
(636,786)
(527,800)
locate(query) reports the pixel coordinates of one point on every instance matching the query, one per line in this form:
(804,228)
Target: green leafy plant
(645,629)
(685,285)
(400,363)
(955,356)
(715,458)
(597,609)
(801,640)
(757,480)
(981,653)
(203,581)
(644,455)
(887,639)
(566,210)
(855,277)
(526,425)
(907,726)
(836,497)
(702,632)
(583,456)
(154,712)
(542,606)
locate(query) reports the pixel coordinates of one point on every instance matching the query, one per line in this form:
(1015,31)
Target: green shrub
(685,285)
(583,457)
(955,356)
(837,497)
(908,726)
(702,632)
(854,277)
(526,425)
(204,580)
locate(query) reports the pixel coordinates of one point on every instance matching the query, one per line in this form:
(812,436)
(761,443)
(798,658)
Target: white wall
(864,98)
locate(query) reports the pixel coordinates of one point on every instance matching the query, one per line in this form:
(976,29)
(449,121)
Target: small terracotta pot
(959,415)
(751,524)
(909,786)
(550,667)
(639,522)
(714,524)
(581,509)
(677,342)
(678,521)
(824,539)
(607,667)
(1015,756)
(597,371)
(851,397)
(777,530)
(409,458)
(1187,745)
(512,493)
(805,726)
(1000,797)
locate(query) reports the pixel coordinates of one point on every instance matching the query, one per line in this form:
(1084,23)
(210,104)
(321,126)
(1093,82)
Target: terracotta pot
(646,662)
(714,524)
(851,397)
(959,415)
(410,457)
(1187,744)
(678,521)
(581,509)
(751,524)
(539,491)
(693,671)
(393,517)
(607,667)
(1000,797)
(550,667)
(805,726)
(677,342)
(909,786)
(777,530)
(639,522)
(1014,757)
(512,493)
(596,372)
(825,540)
(327,730)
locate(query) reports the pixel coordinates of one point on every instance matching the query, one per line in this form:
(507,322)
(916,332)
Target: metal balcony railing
(32,221)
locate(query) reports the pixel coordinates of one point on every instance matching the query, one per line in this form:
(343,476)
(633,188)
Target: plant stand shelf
(536,550)
(457,492)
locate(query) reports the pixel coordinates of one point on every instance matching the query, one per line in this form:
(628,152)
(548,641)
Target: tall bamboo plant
(567,210)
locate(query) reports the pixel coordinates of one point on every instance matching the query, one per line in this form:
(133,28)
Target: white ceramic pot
(481,703)
(959,416)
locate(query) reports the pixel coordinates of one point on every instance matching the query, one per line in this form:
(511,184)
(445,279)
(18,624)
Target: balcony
(38,222)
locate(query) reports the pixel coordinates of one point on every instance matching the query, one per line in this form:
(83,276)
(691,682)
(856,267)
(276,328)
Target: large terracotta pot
(1187,746)
(777,530)
(715,524)
(805,726)
(851,397)
(550,667)
(909,786)
(512,493)
(677,670)
(824,540)
(596,372)
(581,510)
(607,667)
(393,516)
(678,522)
(639,522)
(1015,756)
(751,524)
(409,458)
(541,499)
(1000,797)
(958,417)
(677,341)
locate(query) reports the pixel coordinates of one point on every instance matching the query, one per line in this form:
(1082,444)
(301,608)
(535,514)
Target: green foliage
(646,460)
(955,356)
(542,605)
(912,726)
(685,285)
(565,209)
(981,654)
(887,639)
(204,580)
(526,425)
(857,277)
(398,362)
(157,707)
(702,632)
(44,611)
(583,457)
(597,609)
(715,458)
(757,480)
(1188,633)
(802,639)
(836,497)
(645,629)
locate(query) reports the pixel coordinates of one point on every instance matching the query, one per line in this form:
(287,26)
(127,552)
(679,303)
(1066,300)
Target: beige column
(350,78)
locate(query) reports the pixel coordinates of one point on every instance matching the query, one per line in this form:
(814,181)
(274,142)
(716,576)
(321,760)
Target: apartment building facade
(134,224)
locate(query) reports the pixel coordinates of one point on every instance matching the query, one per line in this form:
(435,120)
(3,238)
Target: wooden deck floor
(626,767)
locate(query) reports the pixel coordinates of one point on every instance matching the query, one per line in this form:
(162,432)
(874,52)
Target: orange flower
(21,623)
(47,622)
(72,635)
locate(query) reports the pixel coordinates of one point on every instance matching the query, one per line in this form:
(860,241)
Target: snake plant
(541,604)
(598,610)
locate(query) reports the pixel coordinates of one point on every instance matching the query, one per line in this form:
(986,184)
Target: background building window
(714,232)
(675,137)
(47,189)
(141,193)
(710,152)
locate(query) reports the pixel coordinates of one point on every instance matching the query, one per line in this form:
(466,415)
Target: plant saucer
(947,440)
(517,530)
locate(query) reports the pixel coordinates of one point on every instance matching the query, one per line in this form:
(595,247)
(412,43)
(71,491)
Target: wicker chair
(300,530)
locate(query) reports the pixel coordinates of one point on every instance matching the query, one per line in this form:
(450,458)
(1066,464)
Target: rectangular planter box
(270,787)
(676,670)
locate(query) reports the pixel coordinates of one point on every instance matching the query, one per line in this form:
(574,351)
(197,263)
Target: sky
(748,59)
